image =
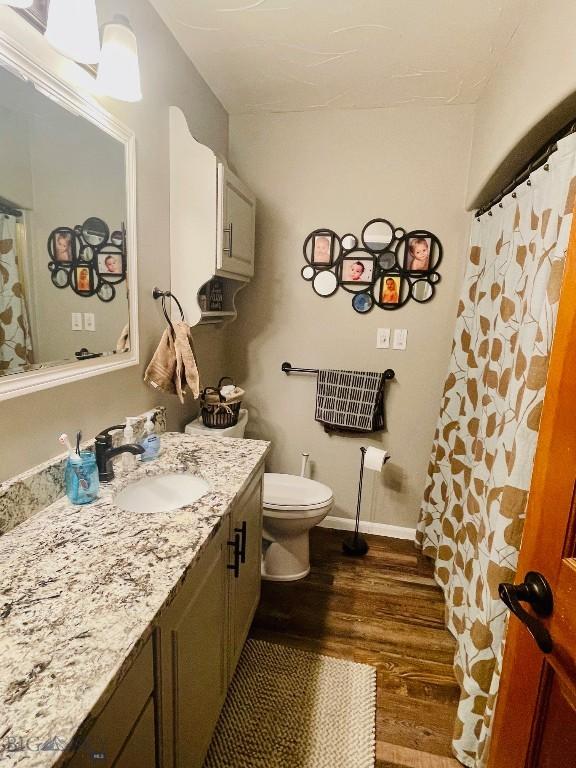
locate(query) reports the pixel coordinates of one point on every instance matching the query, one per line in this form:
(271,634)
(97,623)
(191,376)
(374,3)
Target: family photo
(323,250)
(418,252)
(357,270)
(390,289)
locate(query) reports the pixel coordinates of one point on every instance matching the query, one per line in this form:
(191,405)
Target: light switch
(76,321)
(89,321)
(400,338)
(383,338)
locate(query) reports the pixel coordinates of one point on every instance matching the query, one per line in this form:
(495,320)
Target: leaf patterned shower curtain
(15,339)
(479,474)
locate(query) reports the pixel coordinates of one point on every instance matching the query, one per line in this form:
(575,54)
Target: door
(194,659)
(535,719)
(245,582)
(236,225)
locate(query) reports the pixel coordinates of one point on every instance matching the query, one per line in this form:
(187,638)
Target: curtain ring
(547,166)
(500,205)
(514,194)
(489,213)
(528,182)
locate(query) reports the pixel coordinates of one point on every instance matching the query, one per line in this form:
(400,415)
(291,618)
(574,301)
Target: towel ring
(158,294)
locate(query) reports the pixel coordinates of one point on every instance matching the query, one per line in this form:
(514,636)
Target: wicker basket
(215,411)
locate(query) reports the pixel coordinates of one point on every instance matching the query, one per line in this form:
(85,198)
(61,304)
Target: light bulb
(72,29)
(17,3)
(119,70)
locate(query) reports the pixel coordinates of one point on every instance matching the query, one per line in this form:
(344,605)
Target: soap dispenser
(151,441)
(129,459)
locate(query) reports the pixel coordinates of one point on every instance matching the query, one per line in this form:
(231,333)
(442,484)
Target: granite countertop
(80,588)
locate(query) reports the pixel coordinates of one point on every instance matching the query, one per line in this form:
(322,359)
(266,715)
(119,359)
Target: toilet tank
(197,426)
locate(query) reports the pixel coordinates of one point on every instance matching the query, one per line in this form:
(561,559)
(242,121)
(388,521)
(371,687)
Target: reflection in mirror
(422,290)
(62,192)
(378,235)
(325,283)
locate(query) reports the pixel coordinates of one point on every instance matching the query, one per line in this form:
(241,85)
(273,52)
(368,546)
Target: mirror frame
(26,54)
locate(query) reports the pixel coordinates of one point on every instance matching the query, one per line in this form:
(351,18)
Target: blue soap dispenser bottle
(150,441)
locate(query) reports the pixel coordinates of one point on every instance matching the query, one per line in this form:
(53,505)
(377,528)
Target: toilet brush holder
(356,545)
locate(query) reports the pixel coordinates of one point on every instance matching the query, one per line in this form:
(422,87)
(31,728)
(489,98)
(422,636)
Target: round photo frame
(95,231)
(363,303)
(106,292)
(62,246)
(322,249)
(419,252)
(356,270)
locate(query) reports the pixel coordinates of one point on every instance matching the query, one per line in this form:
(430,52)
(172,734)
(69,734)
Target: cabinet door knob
(236,565)
(243,532)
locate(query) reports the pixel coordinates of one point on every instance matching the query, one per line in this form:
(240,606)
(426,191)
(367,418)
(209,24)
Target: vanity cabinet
(212,224)
(163,713)
(124,733)
(201,634)
(246,522)
(193,658)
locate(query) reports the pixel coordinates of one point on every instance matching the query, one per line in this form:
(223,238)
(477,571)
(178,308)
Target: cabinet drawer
(115,723)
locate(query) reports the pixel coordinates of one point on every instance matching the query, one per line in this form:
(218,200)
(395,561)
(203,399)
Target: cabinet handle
(229,249)
(244,533)
(236,566)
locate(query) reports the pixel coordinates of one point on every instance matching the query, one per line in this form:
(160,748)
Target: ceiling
(296,55)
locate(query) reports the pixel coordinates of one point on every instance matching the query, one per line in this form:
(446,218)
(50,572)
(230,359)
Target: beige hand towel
(186,368)
(123,343)
(173,365)
(161,370)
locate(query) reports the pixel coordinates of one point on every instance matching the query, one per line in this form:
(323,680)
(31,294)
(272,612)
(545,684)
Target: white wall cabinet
(212,224)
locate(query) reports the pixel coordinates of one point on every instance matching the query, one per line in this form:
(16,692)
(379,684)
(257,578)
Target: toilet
(292,505)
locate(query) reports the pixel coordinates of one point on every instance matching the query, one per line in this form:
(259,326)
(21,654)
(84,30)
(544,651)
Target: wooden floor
(385,610)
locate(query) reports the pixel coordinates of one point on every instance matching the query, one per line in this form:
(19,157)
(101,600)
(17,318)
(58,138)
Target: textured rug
(288,708)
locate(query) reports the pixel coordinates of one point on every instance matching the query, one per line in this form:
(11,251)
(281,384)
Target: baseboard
(378,529)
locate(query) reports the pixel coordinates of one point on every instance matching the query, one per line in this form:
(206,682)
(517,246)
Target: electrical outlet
(383,338)
(400,338)
(76,321)
(89,321)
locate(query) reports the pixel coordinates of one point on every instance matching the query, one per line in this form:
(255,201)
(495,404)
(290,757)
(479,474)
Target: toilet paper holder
(374,459)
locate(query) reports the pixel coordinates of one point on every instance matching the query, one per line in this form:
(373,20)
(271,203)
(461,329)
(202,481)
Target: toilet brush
(356,545)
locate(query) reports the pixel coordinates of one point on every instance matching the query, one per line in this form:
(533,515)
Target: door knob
(535,591)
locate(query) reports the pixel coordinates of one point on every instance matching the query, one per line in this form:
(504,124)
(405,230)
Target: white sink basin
(163,493)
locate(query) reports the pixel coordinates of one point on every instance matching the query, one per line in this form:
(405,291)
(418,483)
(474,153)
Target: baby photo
(110,263)
(63,245)
(418,251)
(322,250)
(390,289)
(357,270)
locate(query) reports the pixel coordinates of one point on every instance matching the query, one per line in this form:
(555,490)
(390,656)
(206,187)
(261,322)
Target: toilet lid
(294,492)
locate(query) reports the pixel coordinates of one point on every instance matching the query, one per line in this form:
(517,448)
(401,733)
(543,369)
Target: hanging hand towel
(350,401)
(186,368)
(173,365)
(161,370)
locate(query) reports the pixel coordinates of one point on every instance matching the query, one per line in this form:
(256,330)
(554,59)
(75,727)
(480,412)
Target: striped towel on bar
(350,401)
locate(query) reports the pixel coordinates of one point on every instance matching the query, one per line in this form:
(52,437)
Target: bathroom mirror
(67,234)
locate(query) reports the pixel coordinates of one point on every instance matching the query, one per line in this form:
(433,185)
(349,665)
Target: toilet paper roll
(375,459)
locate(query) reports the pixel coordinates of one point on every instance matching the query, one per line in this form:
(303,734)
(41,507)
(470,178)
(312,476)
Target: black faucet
(105,453)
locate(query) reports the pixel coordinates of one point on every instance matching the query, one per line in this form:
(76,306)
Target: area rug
(288,708)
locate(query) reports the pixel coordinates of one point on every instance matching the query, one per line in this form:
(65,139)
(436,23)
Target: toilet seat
(291,495)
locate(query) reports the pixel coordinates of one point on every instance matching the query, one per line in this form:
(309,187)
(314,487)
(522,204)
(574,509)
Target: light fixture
(72,28)
(17,3)
(119,70)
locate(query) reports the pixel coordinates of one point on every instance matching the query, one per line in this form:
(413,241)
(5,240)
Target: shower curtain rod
(537,161)
(9,211)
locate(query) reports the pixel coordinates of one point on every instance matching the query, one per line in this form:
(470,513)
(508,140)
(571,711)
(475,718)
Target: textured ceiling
(295,55)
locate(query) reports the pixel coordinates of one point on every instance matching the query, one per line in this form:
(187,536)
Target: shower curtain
(479,474)
(15,339)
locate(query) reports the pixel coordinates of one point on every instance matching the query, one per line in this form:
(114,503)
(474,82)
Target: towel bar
(288,368)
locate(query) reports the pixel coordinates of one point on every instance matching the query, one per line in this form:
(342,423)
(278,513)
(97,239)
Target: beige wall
(31,424)
(338,170)
(530,96)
